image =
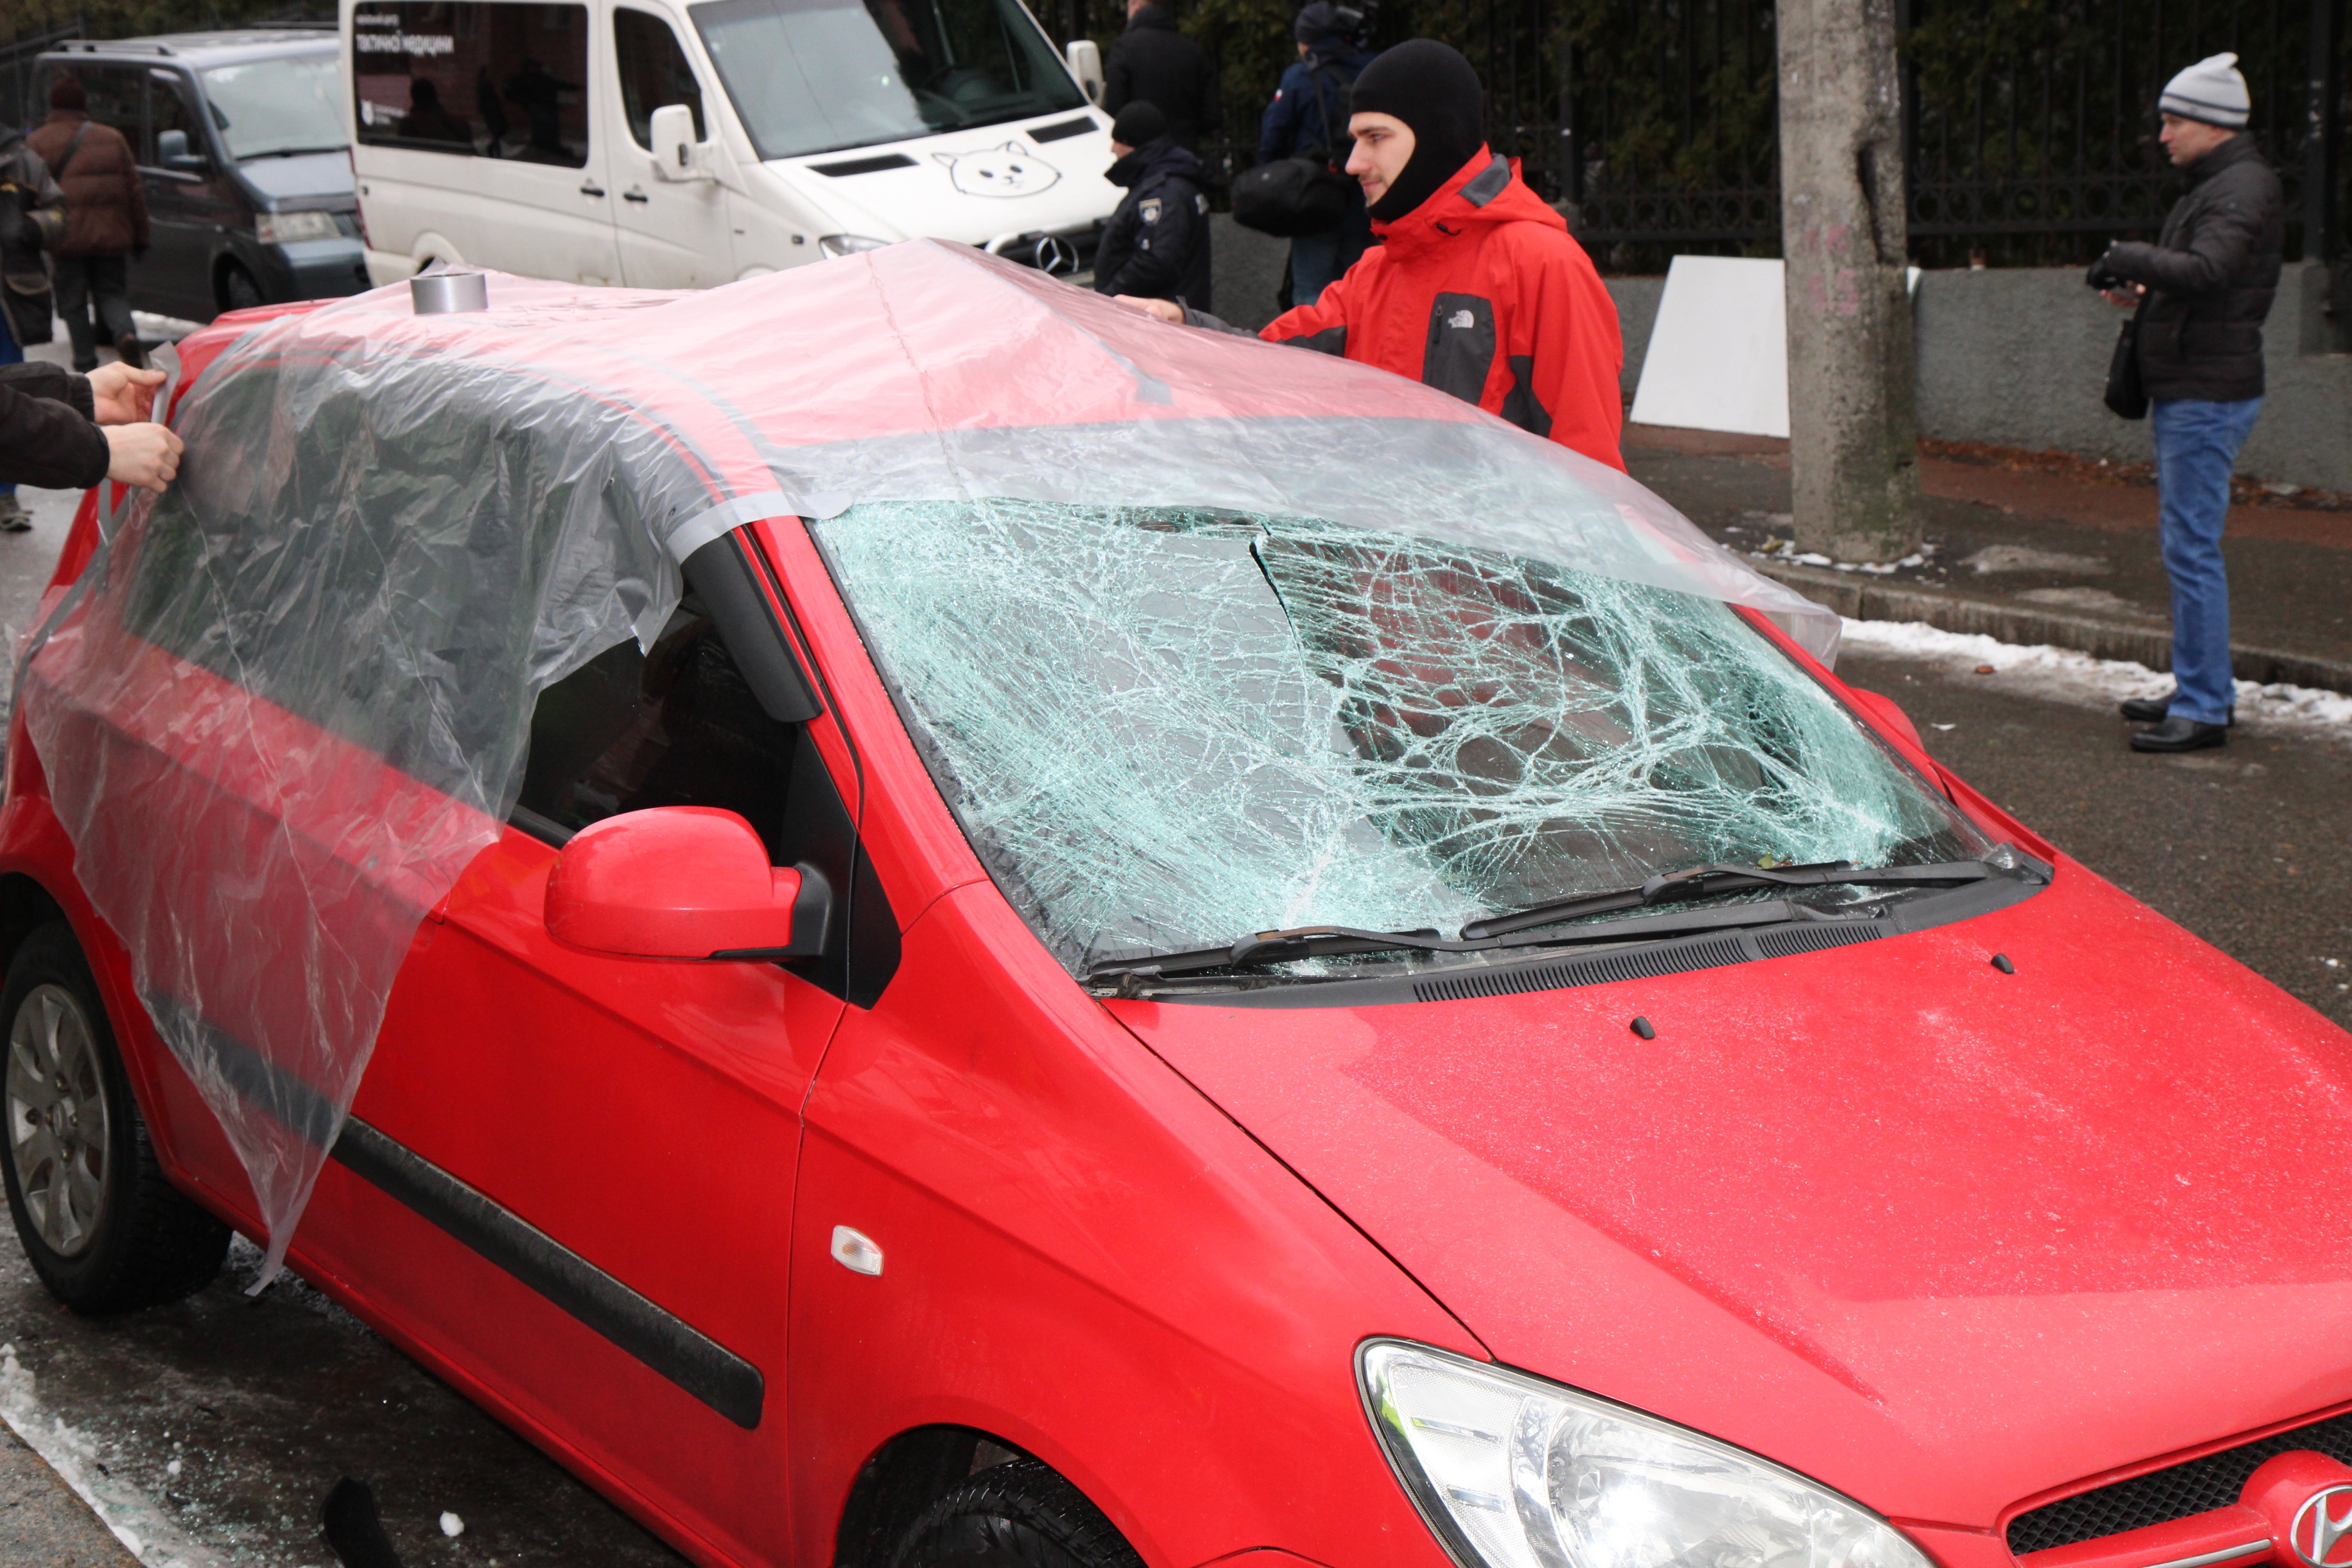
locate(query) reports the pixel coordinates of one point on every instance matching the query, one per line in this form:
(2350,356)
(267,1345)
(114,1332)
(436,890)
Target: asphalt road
(213,1429)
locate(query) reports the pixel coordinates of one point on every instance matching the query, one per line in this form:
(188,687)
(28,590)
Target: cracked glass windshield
(1166,729)
(817,76)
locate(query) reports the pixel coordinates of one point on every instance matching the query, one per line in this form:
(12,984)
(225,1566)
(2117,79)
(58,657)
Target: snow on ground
(122,1508)
(2067,676)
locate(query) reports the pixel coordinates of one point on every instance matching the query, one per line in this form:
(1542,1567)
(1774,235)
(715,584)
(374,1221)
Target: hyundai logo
(1055,255)
(2320,1532)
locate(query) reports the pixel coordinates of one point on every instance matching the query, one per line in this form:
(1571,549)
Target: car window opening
(677,726)
(1164,728)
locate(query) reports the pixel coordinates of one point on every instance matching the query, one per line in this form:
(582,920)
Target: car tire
(101,1225)
(1019,1514)
(238,290)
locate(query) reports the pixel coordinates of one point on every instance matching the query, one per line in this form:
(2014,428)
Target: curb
(1866,599)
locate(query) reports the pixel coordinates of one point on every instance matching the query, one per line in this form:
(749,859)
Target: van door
(674,234)
(486,115)
(191,204)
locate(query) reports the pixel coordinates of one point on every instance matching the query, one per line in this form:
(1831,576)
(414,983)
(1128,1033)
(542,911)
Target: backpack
(24,273)
(1302,193)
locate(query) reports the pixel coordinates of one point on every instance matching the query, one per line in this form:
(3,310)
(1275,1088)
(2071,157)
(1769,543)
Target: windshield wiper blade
(1704,881)
(1332,942)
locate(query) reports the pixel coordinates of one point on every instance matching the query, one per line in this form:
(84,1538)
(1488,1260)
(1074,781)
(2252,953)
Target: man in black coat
(1154,63)
(2206,285)
(1156,246)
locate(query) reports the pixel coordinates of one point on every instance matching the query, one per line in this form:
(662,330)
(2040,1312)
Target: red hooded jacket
(1479,291)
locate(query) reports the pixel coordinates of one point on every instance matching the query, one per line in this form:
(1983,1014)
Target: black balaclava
(1431,89)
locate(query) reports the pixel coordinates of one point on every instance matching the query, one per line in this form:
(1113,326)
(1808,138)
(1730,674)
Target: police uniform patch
(1150,210)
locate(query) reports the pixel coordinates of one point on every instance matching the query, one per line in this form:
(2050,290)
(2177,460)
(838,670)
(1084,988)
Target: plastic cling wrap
(292,699)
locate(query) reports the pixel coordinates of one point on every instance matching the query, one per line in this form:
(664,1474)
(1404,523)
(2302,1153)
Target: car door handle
(592,189)
(634,195)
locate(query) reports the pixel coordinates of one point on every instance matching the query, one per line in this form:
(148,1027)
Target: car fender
(1084,1258)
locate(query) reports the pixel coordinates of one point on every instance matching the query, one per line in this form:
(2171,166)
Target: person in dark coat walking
(1308,116)
(1156,246)
(32,222)
(106,223)
(1154,63)
(2207,284)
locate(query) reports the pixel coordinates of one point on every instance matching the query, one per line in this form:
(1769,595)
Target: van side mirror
(1086,64)
(675,156)
(684,881)
(172,150)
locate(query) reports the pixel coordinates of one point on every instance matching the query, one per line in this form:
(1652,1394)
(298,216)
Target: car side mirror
(684,881)
(172,150)
(1887,713)
(675,156)
(1086,64)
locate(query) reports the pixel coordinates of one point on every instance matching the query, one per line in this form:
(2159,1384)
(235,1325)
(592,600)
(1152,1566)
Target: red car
(914,919)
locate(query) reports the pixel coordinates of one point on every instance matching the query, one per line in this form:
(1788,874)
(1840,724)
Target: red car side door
(592,1156)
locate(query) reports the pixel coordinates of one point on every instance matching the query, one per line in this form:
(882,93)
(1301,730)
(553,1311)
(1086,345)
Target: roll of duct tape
(438,294)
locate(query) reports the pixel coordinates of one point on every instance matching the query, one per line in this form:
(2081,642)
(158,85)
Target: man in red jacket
(1475,287)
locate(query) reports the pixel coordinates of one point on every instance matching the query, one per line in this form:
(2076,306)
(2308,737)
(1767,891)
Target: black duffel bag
(1290,196)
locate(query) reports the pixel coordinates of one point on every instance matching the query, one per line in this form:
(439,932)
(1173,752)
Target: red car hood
(1940,1237)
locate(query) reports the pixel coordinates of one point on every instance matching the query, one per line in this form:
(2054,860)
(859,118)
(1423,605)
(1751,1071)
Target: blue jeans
(2196,447)
(1319,260)
(9,354)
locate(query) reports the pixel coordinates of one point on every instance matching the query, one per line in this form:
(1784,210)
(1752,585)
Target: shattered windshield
(1162,730)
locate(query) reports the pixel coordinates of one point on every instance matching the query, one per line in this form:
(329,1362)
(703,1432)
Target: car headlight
(284,228)
(1514,1472)
(847,243)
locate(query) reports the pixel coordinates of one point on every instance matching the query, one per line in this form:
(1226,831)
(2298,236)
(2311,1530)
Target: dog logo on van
(1011,170)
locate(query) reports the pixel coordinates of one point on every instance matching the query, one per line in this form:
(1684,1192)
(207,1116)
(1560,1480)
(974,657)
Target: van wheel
(1014,1515)
(101,1225)
(239,290)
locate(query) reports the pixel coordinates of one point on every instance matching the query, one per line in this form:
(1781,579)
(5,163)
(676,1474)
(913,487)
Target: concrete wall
(2018,357)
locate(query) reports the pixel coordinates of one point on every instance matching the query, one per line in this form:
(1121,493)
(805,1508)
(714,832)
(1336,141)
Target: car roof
(225,47)
(925,371)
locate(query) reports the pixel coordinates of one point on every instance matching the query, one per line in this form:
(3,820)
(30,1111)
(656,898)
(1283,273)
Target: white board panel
(1718,355)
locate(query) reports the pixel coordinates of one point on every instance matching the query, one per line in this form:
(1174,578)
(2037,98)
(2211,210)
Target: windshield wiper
(1332,942)
(1505,932)
(1704,881)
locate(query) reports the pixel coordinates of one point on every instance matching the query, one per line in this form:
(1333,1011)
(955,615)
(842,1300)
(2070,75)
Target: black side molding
(660,1339)
(689,1358)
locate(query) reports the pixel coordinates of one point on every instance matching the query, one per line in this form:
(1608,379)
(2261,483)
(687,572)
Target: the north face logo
(1461,318)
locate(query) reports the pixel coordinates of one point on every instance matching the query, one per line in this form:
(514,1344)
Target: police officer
(1157,244)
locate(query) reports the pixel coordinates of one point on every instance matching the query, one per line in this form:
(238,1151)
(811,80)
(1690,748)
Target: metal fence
(2030,127)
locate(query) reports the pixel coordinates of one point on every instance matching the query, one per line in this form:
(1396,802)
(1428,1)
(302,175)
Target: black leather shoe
(2180,736)
(2151,710)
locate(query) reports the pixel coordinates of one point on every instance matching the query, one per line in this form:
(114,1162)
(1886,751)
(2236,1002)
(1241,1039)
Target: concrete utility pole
(1853,431)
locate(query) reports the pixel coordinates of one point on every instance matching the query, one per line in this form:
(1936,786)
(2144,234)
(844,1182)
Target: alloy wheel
(58,1123)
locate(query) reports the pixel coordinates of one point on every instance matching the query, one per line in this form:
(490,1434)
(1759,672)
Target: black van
(240,137)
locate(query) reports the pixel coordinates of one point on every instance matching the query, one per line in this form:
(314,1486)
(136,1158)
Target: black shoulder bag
(2127,389)
(1298,194)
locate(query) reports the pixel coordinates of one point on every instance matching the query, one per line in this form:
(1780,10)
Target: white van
(666,144)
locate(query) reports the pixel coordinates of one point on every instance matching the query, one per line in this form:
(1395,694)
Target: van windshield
(816,76)
(1164,730)
(288,105)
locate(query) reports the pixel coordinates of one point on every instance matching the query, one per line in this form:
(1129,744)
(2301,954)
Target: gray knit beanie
(2211,91)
